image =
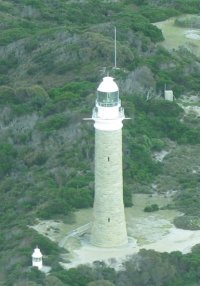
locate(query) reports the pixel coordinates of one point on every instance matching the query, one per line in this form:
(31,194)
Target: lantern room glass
(107,99)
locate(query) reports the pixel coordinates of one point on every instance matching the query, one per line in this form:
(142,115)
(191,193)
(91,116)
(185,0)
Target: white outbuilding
(37,258)
(169,95)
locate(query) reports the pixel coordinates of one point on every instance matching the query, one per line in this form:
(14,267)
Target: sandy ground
(192,34)
(175,240)
(146,231)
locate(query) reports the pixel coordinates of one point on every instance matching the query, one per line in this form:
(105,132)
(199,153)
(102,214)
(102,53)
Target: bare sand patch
(176,240)
(192,34)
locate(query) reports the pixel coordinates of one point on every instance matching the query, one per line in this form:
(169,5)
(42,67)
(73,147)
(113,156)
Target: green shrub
(4,79)
(33,3)
(23,138)
(156,14)
(34,92)
(47,246)
(100,283)
(196,249)
(35,158)
(7,158)
(81,88)
(55,207)
(187,200)
(22,94)
(5,7)
(157,144)
(53,107)
(10,35)
(31,44)
(139,164)
(54,122)
(64,200)
(8,63)
(77,198)
(21,109)
(187,222)
(187,6)
(7,95)
(71,94)
(138,23)
(151,208)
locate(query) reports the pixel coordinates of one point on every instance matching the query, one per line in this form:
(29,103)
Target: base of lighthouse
(108,226)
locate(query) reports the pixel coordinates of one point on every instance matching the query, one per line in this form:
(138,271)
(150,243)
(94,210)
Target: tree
(53,281)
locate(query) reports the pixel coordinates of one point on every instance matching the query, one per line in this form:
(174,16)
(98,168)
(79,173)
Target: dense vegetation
(46,150)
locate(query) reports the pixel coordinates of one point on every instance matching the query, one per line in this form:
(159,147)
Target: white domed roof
(37,253)
(108,85)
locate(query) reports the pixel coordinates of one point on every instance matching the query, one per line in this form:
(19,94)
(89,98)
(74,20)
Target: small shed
(169,95)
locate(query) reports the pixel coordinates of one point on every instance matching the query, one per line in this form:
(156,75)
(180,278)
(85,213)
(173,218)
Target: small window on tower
(108,219)
(108,159)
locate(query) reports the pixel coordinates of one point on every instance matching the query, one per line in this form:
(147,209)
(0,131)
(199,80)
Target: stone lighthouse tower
(108,226)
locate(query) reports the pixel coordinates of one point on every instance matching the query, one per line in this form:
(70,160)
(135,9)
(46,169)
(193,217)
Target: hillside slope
(52,56)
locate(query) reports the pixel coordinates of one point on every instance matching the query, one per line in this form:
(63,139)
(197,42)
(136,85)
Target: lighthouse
(108,225)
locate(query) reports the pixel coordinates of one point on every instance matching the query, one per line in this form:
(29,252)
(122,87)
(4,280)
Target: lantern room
(108,93)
